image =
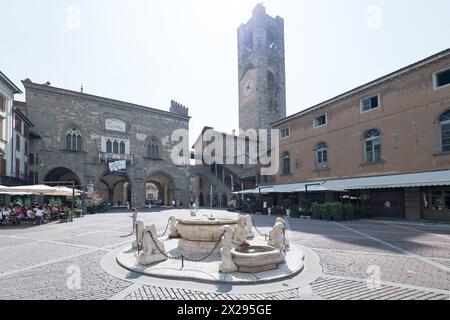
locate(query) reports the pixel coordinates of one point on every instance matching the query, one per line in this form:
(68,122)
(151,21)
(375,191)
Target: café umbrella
(34,189)
(8,191)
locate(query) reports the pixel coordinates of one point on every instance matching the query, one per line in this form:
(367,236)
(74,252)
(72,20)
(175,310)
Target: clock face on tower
(249,86)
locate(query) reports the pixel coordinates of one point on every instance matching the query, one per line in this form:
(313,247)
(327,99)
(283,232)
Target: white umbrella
(65,191)
(35,189)
(8,191)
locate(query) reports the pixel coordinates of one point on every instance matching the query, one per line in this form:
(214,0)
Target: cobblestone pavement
(367,259)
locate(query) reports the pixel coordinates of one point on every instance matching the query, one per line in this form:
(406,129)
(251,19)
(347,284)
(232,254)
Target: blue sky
(152,51)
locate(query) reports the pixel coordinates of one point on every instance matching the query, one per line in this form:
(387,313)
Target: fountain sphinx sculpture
(227,264)
(151,247)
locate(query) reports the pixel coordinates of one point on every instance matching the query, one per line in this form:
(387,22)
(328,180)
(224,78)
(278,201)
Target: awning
(258,190)
(410,180)
(291,188)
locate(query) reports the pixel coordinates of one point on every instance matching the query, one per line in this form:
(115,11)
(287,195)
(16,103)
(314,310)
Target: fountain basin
(202,228)
(254,259)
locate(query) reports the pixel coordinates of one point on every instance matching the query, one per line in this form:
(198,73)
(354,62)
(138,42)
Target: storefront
(421,195)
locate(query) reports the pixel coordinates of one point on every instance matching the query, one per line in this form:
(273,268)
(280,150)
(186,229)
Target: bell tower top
(261,57)
(259,10)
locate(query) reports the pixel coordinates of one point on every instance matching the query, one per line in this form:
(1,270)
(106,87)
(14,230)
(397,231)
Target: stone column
(125,192)
(138,193)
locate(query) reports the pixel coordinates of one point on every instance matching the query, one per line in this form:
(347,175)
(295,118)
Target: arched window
(321,156)
(372,146)
(73,140)
(153,150)
(444,129)
(286,163)
(122,148)
(115,147)
(109,146)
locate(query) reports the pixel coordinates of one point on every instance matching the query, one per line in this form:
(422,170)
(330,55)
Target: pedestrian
(134,215)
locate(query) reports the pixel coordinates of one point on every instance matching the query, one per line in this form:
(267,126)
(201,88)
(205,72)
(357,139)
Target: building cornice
(401,72)
(9,84)
(102,100)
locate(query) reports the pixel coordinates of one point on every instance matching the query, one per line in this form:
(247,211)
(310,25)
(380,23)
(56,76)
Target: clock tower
(262,79)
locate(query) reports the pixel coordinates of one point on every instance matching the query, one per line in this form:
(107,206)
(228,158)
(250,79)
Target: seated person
(46,213)
(55,212)
(29,213)
(17,214)
(39,215)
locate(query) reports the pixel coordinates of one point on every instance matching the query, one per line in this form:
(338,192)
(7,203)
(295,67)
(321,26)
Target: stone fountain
(213,249)
(199,235)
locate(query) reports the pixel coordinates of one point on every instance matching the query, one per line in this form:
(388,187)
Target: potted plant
(337,211)
(349,212)
(232,205)
(316,209)
(64,217)
(95,201)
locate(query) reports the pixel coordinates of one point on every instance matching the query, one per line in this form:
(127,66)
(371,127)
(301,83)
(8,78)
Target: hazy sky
(151,51)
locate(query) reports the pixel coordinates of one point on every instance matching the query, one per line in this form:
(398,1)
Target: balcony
(106,157)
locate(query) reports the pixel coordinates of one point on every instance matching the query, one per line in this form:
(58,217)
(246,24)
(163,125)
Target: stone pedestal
(196,247)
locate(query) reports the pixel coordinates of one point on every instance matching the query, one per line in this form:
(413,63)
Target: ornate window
(372,146)
(153,150)
(74,140)
(286,163)
(116,147)
(108,146)
(122,148)
(444,129)
(322,156)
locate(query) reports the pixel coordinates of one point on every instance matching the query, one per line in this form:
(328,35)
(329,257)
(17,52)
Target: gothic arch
(71,128)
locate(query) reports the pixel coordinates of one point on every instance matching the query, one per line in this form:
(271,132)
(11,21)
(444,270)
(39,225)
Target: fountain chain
(165,231)
(209,254)
(257,230)
(182,257)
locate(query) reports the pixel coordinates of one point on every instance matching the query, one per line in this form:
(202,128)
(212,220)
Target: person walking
(197,206)
(134,215)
